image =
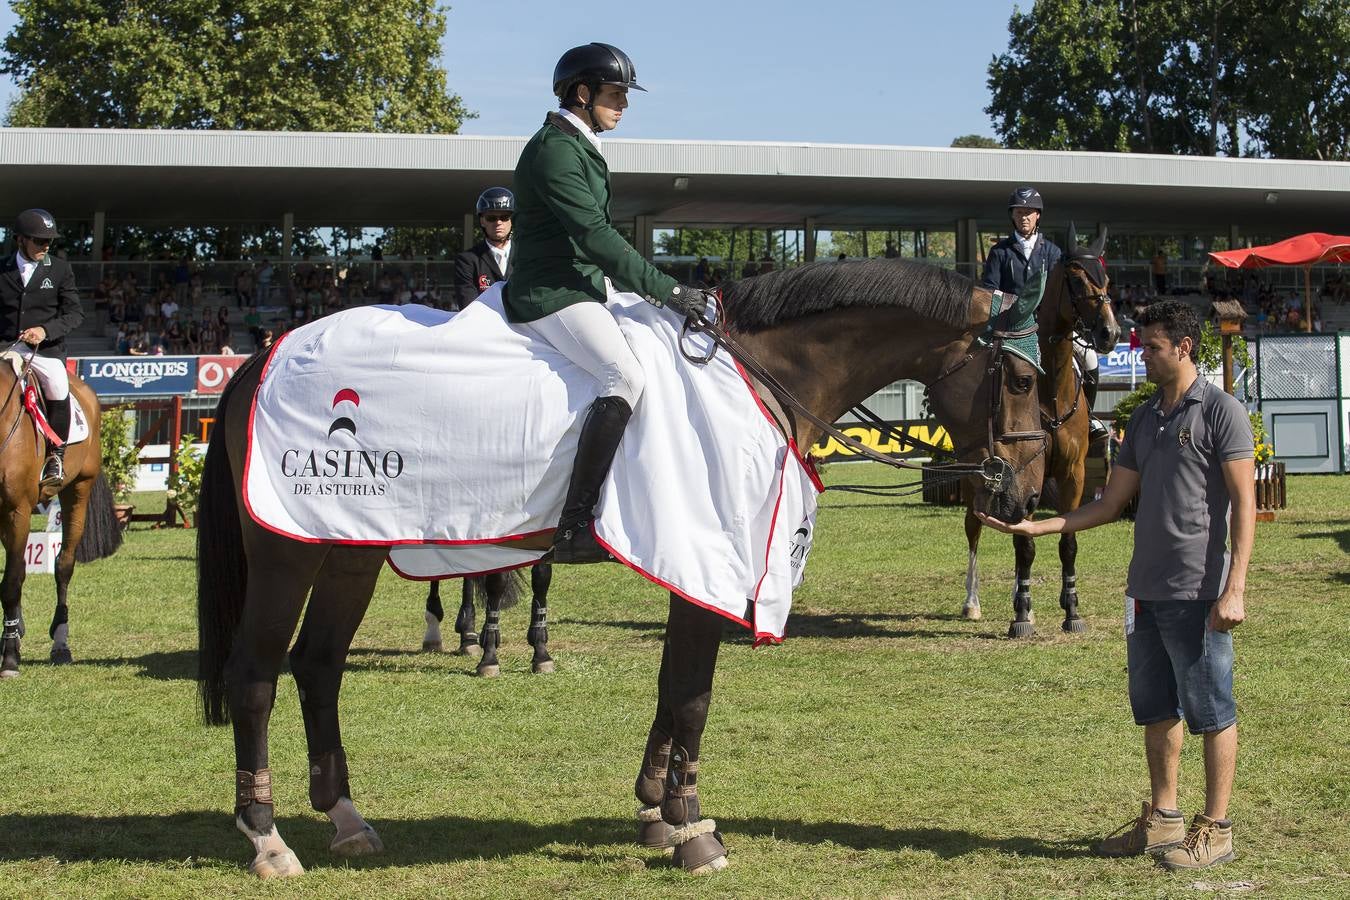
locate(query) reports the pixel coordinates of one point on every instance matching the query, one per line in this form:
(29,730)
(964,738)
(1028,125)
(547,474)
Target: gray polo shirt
(1181,529)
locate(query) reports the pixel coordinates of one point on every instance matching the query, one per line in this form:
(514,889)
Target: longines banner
(830,450)
(145,375)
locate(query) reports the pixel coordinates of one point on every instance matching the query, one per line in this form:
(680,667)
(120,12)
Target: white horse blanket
(438,434)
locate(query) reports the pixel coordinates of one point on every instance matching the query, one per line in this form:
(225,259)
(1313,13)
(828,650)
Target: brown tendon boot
(1154,831)
(1208,843)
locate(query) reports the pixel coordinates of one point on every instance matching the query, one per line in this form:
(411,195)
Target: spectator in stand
(123,340)
(1159,268)
(140,344)
(765,264)
(264,282)
(168,308)
(243,287)
(891,252)
(841,257)
(253,322)
(207,333)
(702,272)
(377,253)
(150,313)
(193,337)
(195,289)
(267,338)
(174,336)
(182,276)
(117,308)
(223,323)
(101,302)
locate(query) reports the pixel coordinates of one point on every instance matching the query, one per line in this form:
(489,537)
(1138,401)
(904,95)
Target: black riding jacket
(50,300)
(1006,269)
(476,271)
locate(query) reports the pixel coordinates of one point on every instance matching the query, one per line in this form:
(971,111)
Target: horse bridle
(994,470)
(1056,421)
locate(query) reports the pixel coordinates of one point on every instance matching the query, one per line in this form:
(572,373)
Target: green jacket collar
(563,124)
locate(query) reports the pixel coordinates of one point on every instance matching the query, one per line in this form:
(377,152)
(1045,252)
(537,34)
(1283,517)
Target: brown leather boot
(1208,843)
(1153,832)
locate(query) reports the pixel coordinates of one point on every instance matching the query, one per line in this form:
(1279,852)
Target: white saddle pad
(79,421)
(438,434)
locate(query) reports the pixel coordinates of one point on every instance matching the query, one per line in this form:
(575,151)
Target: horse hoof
(972,613)
(1021,629)
(465,650)
(432,647)
(699,848)
(276,864)
(61,656)
(363,843)
(543,668)
(491,671)
(9,673)
(653,831)
(1074,626)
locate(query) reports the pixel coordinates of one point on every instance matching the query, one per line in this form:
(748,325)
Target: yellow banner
(830,450)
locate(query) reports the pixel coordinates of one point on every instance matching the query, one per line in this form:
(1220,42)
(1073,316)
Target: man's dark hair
(1177,320)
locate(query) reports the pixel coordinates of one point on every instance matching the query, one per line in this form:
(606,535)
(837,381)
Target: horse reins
(994,469)
(18,383)
(1056,421)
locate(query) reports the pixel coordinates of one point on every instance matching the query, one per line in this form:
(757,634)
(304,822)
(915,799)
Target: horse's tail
(102,534)
(513,588)
(222,568)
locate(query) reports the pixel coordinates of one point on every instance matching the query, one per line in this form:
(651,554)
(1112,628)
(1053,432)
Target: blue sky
(847,71)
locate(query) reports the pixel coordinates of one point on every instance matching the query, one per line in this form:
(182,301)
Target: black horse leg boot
(1096,429)
(58,416)
(574,541)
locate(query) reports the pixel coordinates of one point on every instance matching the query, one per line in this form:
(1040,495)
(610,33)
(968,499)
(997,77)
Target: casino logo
(800,548)
(342,471)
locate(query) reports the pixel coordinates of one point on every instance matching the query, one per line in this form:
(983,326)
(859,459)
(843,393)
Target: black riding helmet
(593,65)
(1026,196)
(37,223)
(496,199)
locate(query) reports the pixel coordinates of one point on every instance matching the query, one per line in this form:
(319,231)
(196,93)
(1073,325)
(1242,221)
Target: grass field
(889,748)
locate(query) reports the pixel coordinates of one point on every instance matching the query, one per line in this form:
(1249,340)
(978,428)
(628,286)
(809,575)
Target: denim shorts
(1179,667)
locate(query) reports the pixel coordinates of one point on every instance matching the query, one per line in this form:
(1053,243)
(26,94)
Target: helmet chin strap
(589,106)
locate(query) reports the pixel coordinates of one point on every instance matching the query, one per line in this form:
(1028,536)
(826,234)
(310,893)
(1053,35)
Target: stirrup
(53,472)
(574,542)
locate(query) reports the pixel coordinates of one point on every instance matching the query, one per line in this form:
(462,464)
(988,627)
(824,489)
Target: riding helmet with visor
(593,64)
(496,199)
(37,223)
(1026,196)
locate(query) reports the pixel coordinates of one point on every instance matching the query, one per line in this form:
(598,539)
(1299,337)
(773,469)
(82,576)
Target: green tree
(976,141)
(1207,77)
(325,65)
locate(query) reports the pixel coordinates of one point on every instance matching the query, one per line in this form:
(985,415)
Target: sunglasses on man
(497,217)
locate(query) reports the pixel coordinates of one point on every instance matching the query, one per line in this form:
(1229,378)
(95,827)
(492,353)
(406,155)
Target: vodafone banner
(213,372)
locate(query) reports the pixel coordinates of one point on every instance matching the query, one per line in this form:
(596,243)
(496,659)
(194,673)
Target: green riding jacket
(565,242)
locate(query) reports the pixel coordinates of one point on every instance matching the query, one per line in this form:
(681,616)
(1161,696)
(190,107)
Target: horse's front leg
(494,587)
(541,576)
(1071,494)
(971,609)
(74,507)
(693,636)
(1023,624)
(465,618)
(431,638)
(14,532)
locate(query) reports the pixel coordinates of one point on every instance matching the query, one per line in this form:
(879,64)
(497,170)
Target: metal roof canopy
(205,177)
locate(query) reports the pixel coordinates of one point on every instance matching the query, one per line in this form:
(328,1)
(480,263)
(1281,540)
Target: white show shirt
(1027,244)
(581,126)
(26,267)
(501,254)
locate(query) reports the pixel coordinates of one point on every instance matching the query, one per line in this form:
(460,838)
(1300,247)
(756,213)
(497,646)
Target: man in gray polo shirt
(1188,455)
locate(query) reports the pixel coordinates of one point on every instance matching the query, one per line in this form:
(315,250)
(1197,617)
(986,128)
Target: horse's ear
(1099,245)
(1073,240)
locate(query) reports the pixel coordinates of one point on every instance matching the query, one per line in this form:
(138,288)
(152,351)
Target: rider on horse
(1026,251)
(489,260)
(569,257)
(39,306)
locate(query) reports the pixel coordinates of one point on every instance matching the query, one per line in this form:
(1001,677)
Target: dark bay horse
(496,592)
(832,333)
(1076,299)
(88,526)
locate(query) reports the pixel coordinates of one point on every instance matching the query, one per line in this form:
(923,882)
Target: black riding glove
(687,301)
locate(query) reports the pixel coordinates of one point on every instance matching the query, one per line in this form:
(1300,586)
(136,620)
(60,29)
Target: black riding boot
(574,541)
(1096,429)
(58,417)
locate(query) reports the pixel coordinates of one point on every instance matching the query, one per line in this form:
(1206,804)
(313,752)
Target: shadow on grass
(163,665)
(209,835)
(181,665)
(1342,538)
(820,625)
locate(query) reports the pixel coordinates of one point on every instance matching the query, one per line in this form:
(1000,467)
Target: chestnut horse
(85,501)
(1076,299)
(832,334)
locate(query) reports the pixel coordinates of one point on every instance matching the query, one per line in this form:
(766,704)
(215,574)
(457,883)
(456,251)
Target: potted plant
(185,481)
(120,458)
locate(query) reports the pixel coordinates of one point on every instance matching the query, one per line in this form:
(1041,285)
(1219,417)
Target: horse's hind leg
(541,576)
(337,605)
(431,640)
(279,576)
(74,505)
(693,636)
(14,533)
(465,618)
(494,587)
(1023,625)
(971,609)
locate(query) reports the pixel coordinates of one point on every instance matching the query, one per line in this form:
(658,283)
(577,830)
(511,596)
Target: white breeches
(51,373)
(587,334)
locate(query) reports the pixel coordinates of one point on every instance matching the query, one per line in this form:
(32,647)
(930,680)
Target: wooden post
(1307,298)
(1227,363)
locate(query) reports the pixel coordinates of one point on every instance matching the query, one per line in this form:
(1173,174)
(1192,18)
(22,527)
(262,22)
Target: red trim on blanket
(668,586)
(768,545)
(810,467)
(347,542)
(401,574)
(764,639)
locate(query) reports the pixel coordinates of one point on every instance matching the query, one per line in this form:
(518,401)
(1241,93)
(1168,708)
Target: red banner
(214,372)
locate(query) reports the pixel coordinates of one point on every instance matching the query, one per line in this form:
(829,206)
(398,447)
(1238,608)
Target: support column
(287,236)
(100,222)
(1233,237)
(967,248)
(809,235)
(642,236)
(470,227)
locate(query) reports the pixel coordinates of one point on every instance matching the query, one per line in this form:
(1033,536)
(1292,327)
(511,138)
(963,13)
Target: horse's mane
(776,297)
